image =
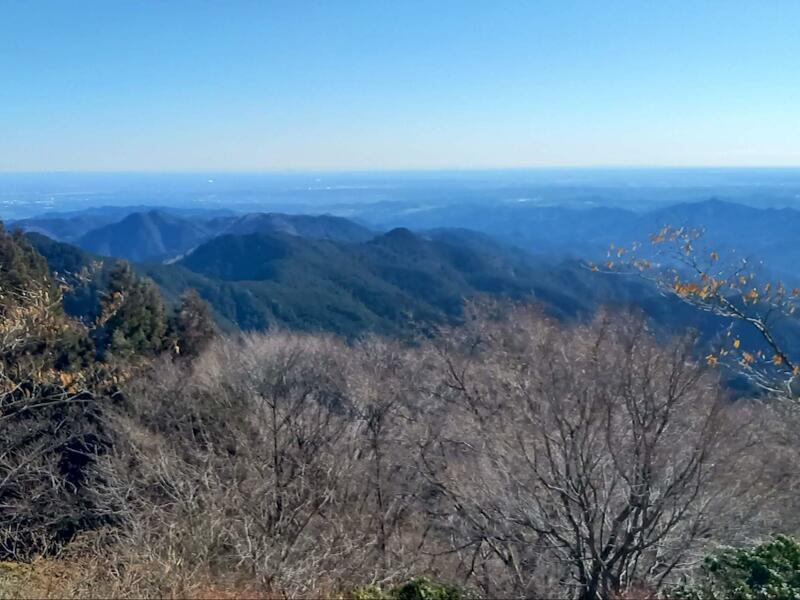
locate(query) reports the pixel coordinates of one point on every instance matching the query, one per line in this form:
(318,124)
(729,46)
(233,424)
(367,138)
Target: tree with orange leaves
(728,286)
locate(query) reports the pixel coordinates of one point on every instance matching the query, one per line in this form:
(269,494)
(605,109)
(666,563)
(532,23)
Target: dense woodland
(504,454)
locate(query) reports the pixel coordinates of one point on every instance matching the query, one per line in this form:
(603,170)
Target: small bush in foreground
(770,570)
(419,588)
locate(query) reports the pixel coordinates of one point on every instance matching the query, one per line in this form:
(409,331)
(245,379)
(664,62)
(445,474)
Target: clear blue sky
(184,85)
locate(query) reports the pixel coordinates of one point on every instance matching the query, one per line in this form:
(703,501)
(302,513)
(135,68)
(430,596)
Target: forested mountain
(145,236)
(323,227)
(259,281)
(157,235)
(69,226)
(328,273)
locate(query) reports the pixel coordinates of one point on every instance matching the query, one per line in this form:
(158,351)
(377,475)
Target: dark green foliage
(133,320)
(769,571)
(424,589)
(260,280)
(20,264)
(419,588)
(194,326)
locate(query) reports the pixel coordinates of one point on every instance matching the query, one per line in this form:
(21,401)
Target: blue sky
(239,85)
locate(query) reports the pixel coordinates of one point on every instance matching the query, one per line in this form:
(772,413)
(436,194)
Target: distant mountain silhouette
(551,232)
(762,234)
(71,225)
(65,229)
(158,235)
(324,227)
(144,236)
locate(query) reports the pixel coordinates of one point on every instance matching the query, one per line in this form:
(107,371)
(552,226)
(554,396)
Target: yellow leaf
(711,360)
(737,343)
(777,359)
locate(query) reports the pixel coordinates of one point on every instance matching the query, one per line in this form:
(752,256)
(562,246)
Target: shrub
(769,571)
(419,588)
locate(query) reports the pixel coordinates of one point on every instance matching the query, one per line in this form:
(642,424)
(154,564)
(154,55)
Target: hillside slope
(145,236)
(262,280)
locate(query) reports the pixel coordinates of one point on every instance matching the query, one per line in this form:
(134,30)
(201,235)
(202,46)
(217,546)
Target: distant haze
(358,194)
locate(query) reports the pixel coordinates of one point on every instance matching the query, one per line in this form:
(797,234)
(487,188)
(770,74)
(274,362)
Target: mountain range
(163,234)
(550,232)
(326,272)
(384,285)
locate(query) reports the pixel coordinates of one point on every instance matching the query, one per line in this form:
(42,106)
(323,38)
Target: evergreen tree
(133,319)
(194,326)
(22,268)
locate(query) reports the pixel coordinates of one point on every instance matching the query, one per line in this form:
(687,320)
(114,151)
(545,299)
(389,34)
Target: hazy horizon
(36,193)
(414,170)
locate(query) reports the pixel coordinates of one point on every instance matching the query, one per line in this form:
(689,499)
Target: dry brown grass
(88,577)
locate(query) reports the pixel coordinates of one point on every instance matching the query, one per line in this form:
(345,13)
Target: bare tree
(582,458)
(253,467)
(386,382)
